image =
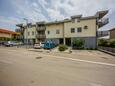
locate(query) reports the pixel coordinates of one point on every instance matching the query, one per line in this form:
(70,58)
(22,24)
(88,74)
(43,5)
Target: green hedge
(62,47)
(103,42)
(112,43)
(106,43)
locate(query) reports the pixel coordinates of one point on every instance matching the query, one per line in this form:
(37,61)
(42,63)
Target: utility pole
(26,31)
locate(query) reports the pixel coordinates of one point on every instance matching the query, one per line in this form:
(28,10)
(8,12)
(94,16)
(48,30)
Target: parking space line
(93,84)
(86,61)
(100,63)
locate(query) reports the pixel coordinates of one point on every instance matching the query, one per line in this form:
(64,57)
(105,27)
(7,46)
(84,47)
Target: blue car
(49,45)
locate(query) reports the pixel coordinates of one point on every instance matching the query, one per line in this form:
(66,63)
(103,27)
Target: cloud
(50,10)
(34,4)
(29,10)
(59,9)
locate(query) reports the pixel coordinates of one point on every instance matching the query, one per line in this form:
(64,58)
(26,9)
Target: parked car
(49,45)
(11,43)
(39,45)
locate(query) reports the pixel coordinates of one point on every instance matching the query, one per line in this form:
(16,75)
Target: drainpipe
(63,34)
(96,32)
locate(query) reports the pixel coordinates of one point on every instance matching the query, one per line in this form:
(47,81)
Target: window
(57,31)
(48,32)
(85,27)
(79,29)
(77,20)
(32,32)
(72,30)
(28,33)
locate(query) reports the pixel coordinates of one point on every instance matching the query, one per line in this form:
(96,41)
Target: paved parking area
(27,67)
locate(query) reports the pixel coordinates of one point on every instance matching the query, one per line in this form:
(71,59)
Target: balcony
(20,37)
(40,28)
(103,22)
(101,14)
(41,36)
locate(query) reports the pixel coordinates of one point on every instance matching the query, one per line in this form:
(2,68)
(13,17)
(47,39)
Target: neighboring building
(20,30)
(112,33)
(30,33)
(108,35)
(103,33)
(40,32)
(85,28)
(7,34)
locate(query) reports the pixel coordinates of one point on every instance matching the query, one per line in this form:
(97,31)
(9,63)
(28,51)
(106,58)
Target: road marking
(93,84)
(101,63)
(86,61)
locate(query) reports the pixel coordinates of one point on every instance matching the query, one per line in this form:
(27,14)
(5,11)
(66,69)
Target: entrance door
(61,41)
(68,41)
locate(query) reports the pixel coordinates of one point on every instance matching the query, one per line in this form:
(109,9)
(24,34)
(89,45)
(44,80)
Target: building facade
(66,31)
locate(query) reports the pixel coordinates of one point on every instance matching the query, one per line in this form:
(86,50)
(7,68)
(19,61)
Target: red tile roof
(7,31)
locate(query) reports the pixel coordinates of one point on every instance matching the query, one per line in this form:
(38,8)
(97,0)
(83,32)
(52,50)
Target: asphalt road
(20,67)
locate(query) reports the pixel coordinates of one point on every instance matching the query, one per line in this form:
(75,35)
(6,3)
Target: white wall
(52,28)
(30,31)
(91,31)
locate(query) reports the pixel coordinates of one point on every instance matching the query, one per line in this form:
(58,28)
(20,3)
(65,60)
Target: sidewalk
(92,55)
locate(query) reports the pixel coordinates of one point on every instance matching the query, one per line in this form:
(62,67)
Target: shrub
(62,47)
(79,43)
(112,43)
(103,42)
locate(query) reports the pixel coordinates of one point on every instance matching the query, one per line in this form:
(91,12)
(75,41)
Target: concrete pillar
(64,41)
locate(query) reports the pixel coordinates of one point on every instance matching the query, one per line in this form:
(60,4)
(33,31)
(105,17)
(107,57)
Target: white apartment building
(85,28)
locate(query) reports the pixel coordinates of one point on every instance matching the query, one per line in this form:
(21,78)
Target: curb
(108,52)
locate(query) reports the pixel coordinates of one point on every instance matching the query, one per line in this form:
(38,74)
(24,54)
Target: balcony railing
(20,37)
(41,36)
(20,30)
(40,28)
(103,22)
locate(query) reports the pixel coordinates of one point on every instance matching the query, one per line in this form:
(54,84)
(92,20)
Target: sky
(12,12)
